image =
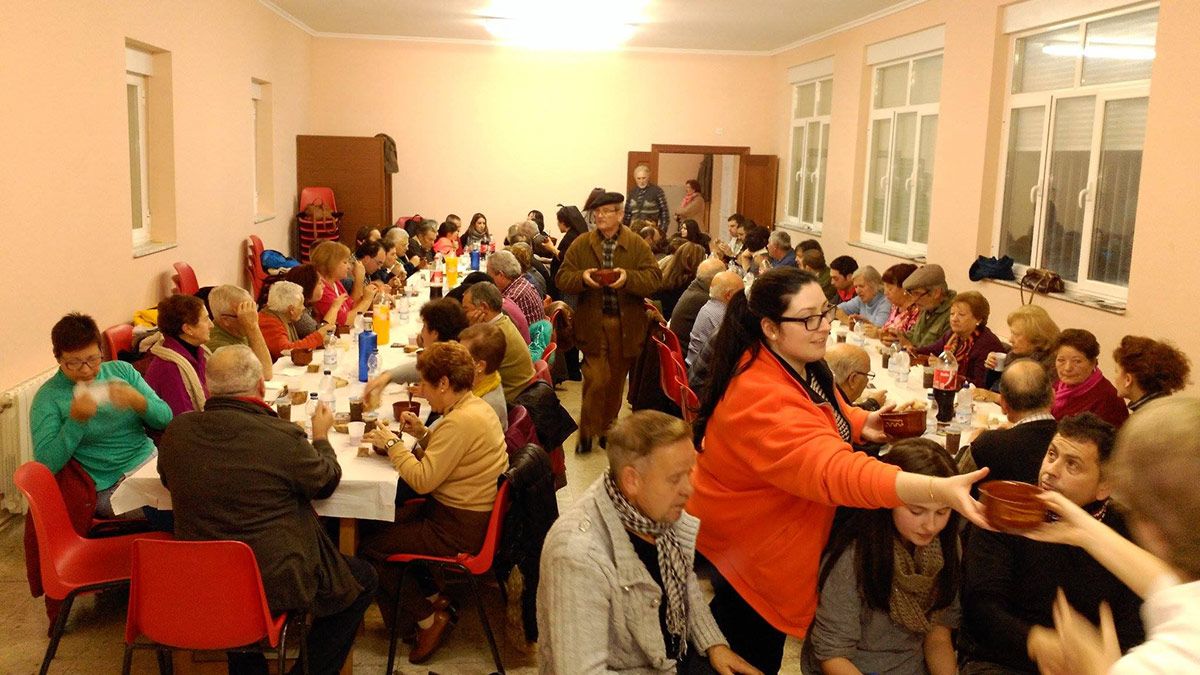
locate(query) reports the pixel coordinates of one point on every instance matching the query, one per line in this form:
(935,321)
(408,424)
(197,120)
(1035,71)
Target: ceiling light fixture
(564,24)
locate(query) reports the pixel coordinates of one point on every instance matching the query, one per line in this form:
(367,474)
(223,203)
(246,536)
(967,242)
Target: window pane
(900,184)
(812,147)
(924,179)
(806,96)
(927,80)
(820,215)
(1046,61)
(1117,190)
(1022,173)
(1120,49)
(881,138)
(135,155)
(1070,153)
(825,100)
(891,86)
(796,186)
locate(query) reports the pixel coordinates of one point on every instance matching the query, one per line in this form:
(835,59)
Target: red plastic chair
(541,371)
(117,339)
(185,279)
(520,430)
(548,355)
(466,564)
(309,195)
(672,379)
(254,268)
(70,564)
(199,595)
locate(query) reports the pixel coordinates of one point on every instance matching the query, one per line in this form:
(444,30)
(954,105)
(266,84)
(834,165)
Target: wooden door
(757,180)
(352,167)
(650,159)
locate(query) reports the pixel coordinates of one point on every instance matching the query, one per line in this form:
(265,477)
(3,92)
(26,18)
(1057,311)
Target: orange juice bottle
(451,269)
(382,324)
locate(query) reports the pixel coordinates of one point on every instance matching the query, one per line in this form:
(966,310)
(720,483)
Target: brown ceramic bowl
(906,424)
(1011,506)
(606,277)
(299,397)
(401,407)
(302,357)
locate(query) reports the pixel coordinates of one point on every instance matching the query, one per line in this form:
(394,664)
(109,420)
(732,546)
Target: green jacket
(932,323)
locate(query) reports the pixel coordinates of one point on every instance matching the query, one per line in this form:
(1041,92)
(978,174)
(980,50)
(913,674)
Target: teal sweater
(111,443)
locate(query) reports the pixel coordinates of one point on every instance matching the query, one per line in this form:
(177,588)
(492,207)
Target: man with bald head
(723,287)
(236,471)
(1026,393)
(851,366)
(693,298)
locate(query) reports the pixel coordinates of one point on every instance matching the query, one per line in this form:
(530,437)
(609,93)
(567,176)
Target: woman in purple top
(968,338)
(178,354)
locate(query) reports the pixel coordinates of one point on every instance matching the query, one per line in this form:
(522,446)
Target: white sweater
(1172,617)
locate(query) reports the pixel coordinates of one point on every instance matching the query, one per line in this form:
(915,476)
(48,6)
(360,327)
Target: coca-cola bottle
(945,384)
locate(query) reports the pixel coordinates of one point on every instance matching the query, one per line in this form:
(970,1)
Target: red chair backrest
(56,536)
(671,340)
(520,429)
(117,339)
(197,595)
(254,268)
(309,195)
(482,562)
(670,373)
(185,279)
(548,355)
(690,402)
(541,371)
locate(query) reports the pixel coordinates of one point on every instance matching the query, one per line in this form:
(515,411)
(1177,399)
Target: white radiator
(16,443)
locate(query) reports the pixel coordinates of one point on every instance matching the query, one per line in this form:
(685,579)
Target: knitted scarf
(488,383)
(187,372)
(960,347)
(1066,395)
(913,579)
(671,561)
(688,199)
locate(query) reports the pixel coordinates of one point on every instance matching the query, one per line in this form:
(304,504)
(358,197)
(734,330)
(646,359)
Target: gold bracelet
(932,499)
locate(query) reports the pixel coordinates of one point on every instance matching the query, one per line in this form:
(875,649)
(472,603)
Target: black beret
(599,197)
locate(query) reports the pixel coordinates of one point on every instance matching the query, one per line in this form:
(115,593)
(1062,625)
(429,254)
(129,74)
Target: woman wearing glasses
(94,411)
(777,462)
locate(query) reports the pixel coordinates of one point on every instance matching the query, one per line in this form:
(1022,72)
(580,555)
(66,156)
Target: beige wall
(966,158)
(65,168)
(503,131)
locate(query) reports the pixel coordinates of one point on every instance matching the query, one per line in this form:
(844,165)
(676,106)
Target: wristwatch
(391,442)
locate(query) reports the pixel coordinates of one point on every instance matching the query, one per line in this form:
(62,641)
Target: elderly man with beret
(928,287)
(613,271)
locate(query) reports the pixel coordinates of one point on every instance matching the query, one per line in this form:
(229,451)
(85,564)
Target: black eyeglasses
(811,322)
(869,375)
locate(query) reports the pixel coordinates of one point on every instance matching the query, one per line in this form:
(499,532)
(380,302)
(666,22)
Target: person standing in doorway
(647,204)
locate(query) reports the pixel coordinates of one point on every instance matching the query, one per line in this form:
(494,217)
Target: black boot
(584,445)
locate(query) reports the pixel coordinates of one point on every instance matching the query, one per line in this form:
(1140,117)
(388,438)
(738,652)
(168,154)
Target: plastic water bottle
(311,406)
(403,307)
(368,343)
(930,413)
(373,364)
(900,364)
(325,392)
(330,359)
(859,336)
(964,407)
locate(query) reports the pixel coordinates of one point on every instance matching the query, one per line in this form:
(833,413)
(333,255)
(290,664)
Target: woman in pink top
(332,262)
(904,306)
(447,241)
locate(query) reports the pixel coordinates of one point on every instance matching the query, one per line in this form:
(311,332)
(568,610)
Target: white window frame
(808,177)
(254,101)
(922,111)
(1103,93)
(141,234)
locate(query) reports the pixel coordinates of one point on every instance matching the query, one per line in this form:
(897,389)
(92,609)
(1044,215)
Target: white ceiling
(760,26)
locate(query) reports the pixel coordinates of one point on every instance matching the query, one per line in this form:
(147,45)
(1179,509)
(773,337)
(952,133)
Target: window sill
(150,248)
(891,250)
(262,218)
(1096,302)
(802,228)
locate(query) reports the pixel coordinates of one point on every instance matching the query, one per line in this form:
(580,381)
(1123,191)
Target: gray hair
(869,275)
(525,228)
(225,298)
(845,359)
(398,237)
(1026,386)
(284,295)
(485,293)
(504,262)
(233,370)
(635,436)
(781,239)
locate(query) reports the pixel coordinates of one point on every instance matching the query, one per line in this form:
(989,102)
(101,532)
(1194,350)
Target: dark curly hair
(1082,340)
(176,311)
(1155,366)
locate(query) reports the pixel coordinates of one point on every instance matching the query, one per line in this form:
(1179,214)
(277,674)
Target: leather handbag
(1038,280)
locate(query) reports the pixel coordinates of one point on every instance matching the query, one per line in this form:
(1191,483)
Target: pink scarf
(1070,397)
(687,199)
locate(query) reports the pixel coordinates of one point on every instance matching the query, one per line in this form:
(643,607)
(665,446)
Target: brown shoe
(429,639)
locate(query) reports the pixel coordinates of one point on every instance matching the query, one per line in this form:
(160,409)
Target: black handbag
(992,268)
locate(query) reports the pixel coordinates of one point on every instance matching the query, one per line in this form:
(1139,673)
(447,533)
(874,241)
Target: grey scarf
(671,561)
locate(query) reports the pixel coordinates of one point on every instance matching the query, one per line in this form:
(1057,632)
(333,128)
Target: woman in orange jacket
(777,462)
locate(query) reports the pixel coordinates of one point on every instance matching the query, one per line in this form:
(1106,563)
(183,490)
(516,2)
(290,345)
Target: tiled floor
(94,640)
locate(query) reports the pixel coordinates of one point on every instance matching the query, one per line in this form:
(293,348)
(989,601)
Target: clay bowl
(401,407)
(906,424)
(299,397)
(1011,506)
(302,357)
(606,277)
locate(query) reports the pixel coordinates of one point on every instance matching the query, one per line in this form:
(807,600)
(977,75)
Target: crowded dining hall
(583,337)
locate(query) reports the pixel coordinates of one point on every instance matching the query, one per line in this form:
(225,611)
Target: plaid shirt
(609,246)
(527,299)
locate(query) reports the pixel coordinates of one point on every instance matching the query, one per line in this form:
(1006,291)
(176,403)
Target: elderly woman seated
(1081,387)
(1148,369)
(178,353)
(1032,333)
(869,303)
(277,321)
(486,343)
(968,338)
(94,411)
(457,464)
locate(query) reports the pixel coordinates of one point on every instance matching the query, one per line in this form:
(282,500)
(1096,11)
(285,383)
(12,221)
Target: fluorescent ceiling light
(564,24)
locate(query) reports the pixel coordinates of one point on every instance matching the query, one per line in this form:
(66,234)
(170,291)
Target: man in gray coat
(618,592)
(237,471)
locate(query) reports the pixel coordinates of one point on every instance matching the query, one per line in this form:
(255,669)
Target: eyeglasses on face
(607,209)
(78,364)
(868,374)
(811,322)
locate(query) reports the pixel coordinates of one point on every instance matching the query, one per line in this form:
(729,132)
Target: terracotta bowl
(907,424)
(299,397)
(1012,506)
(606,277)
(302,357)
(401,407)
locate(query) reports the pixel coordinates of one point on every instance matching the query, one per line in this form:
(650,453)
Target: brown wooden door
(650,159)
(757,179)
(352,166)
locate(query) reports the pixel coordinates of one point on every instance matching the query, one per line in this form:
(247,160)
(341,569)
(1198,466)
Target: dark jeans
(749,635)
(330,638)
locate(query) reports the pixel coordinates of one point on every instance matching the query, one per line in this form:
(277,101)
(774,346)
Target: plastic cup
(356,431)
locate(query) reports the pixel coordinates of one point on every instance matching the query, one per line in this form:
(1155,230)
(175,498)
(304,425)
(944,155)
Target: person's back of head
(845,265)
(811,245)
(234,370)
(781,239)
(486,344)
(486,295)
(367,249)
(846,359)
(445,317)
(523,253)
(814,260)
(756,238)
(1025,388)
(224,300)
(724,285)
(1155,367)
(708,269)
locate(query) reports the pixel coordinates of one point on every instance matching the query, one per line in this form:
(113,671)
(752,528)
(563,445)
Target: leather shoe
(604,441)
(584,446)
(429,639)
(443,602)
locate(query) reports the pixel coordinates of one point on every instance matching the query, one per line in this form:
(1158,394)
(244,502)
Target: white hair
(504,262)
(869,275)
(225,298)
(284,295)
(781,239)
(396,235)
(845,359)
(233,370)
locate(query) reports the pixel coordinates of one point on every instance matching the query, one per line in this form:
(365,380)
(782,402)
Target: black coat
(550,419)
(532,511)
(1015,453)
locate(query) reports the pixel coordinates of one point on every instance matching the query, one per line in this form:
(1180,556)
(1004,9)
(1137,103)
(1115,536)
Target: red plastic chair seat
(117,339)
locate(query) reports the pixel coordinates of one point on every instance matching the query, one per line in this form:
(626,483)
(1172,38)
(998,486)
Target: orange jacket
(767,483)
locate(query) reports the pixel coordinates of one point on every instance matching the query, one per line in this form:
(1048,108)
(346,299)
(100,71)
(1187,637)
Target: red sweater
(275,334)
(767,483)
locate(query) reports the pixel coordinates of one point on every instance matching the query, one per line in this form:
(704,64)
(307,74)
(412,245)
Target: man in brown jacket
(613,271)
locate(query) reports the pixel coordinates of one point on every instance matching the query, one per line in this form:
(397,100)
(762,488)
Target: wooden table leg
(347,543)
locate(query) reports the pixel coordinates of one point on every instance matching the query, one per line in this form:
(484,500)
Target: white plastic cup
(356,430)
